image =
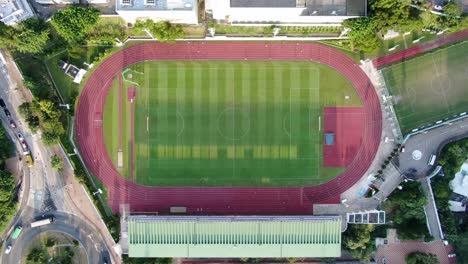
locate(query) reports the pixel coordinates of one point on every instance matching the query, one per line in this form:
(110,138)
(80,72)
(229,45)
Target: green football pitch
(226,123)
(430,87)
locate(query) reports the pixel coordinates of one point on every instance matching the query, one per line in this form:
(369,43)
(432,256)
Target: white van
(432,160)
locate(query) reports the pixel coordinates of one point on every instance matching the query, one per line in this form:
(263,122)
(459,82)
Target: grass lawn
(228,123)
(403,42)
(430,87)
(111,111)
(76,56)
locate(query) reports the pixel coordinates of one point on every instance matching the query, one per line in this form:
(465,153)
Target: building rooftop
(285,11)
(263,3)
(12,12)
(155,5)
(234,236)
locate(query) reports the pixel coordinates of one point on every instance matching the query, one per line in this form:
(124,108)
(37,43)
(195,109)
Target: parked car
(12,124)
(7,113)
(8,249)
(20,137)
(2,103)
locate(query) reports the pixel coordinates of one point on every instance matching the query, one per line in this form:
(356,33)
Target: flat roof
(155,5)
(263,3)
(234,236)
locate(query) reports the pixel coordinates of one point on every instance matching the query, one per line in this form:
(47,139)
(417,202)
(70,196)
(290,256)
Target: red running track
(416,50)
(221,200)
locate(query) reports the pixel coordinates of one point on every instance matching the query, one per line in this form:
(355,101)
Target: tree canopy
(363,33)
(358,241)
(400,16)
(73,23)
(406,209)
(31,36)
(164,31)
(56,162)
(421,258)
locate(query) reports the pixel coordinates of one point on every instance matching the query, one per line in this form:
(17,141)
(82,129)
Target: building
(12,12)
(270,12)
(175,11)
(233,236)
(459,198)
(72,71)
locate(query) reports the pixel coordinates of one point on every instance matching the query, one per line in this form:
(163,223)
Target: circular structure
(417,154)
(238,129)
(221,200)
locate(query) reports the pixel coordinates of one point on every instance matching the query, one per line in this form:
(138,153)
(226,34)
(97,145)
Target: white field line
(320,125)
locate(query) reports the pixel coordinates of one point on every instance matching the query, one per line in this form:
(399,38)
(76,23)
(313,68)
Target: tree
(363,33)
(421,258)
(56,162)
(453,8)
(73,23)
(358,241)
(405,208)
(164,31)
(49,109)
(6,148)
(36,255)
(7,185)
(50,242)
(388,13)
(32,36)
(7,34)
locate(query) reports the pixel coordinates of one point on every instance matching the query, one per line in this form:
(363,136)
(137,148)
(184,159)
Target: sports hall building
(232,236)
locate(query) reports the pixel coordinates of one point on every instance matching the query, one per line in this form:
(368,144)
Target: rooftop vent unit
(150,2)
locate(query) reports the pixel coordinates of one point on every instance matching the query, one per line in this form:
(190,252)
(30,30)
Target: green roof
(234,236)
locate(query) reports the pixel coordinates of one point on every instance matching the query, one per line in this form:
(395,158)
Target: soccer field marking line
(183,123)
(319,123)
(440,82)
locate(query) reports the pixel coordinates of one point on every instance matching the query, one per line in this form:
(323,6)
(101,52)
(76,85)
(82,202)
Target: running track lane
(221,200)
(417,50)
(120,111)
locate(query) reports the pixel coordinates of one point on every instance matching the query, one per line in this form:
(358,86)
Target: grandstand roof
(234,236)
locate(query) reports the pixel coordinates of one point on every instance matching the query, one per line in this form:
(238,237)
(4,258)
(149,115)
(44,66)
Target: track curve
(221,200)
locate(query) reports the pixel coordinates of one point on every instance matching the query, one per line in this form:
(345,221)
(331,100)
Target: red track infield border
(221,200)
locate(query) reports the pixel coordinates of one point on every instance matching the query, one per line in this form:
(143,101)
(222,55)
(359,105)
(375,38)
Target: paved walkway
(395,253)
(430,210)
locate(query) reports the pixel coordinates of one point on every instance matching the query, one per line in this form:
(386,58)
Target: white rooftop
(12,12)
(285,11)
(460,183)
(176,11)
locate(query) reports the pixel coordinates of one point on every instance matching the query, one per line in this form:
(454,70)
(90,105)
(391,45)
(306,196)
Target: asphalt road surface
(63,223)
(429,143)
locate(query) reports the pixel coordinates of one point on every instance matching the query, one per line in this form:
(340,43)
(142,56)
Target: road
(64,223)
(428,143)
(45,190)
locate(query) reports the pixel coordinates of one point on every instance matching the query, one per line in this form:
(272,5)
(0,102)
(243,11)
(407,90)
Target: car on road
(12,123)
(7,113)
(8,249)
(2,103)
(20,137)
